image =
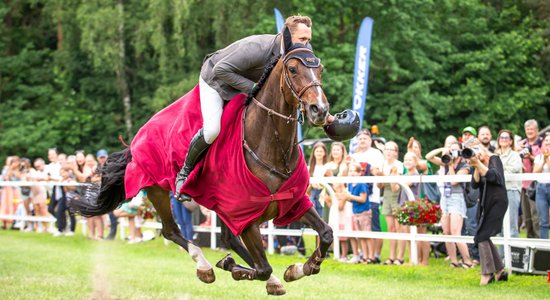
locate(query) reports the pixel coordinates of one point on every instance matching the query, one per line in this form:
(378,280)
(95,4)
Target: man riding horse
(232,70)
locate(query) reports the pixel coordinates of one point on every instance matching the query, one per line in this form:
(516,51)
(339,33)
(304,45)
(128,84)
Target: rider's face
(302,34)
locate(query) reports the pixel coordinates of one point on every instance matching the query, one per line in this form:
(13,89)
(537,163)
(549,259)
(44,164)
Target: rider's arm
(230,67)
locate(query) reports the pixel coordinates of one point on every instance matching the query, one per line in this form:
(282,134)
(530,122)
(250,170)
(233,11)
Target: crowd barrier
(403,181)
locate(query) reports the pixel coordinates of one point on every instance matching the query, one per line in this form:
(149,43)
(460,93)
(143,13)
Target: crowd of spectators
(53,200)
(528,203)
(361,207)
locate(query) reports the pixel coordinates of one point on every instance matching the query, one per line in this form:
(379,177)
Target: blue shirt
(357,190)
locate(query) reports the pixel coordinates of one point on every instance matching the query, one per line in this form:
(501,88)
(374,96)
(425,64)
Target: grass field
(39,266)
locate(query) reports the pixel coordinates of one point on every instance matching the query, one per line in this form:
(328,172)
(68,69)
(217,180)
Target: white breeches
(212,108)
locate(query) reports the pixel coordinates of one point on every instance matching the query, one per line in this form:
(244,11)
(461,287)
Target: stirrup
(183,197)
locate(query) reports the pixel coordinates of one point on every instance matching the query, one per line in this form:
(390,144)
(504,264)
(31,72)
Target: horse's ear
(287,39)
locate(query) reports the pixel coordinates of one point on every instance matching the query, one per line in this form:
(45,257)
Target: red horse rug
(221,181)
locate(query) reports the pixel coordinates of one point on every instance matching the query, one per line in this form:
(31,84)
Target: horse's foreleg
(171,231)
(313,264)
(262,270)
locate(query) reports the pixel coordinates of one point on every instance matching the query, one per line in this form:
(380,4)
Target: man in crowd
(364,153)
(485,137)
(530,148)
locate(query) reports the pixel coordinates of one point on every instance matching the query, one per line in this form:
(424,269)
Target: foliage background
(77,74)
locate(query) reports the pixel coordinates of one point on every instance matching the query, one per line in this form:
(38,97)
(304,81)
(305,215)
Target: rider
(228,72)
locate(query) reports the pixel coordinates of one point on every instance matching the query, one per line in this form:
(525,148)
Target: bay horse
(289,89)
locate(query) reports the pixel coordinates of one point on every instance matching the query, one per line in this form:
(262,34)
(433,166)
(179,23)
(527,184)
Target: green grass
(39,266)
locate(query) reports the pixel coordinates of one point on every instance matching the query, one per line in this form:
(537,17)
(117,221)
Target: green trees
(77,74)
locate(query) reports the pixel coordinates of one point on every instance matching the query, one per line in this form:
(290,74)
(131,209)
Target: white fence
(413,236)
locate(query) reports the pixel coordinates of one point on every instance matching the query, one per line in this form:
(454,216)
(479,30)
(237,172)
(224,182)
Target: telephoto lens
(446,158)
(468,153)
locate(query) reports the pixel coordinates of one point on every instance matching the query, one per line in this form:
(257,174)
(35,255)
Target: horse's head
(302,77)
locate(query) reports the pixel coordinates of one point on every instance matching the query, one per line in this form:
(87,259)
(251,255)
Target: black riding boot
(196,150)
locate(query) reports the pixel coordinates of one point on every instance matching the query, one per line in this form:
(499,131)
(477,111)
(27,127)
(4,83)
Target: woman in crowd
(423,166)
(317,168)
(542,198)
(489,178)
(10,195)
(337,166)
(452,204)
(392,167)
(511,161)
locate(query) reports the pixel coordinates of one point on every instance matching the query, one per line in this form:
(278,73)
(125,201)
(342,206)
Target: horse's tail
(99,200)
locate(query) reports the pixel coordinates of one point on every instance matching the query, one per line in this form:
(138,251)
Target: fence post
(213,225)
(270,243)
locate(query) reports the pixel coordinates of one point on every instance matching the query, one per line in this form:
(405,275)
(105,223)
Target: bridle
(306,57)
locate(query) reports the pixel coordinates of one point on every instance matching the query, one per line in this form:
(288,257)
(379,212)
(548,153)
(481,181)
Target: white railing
(413,236)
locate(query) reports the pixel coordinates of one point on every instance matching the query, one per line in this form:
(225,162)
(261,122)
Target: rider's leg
(211,108)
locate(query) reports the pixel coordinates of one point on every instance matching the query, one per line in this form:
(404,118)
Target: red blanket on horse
(221,181)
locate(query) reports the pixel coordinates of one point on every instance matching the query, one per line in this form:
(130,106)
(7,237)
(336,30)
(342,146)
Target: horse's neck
(271,136)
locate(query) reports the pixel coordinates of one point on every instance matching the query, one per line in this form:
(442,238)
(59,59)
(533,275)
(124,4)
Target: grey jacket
(235,68)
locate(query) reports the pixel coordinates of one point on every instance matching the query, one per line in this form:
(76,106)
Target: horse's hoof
(225,262)
(206,276)
(294,272)
(275,289)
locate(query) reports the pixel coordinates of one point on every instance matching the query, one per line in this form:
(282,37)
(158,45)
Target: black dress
(493,202)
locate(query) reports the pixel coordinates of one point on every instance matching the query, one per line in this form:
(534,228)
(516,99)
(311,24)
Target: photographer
(529,149)
(489,178)
(542,165)
(453,204)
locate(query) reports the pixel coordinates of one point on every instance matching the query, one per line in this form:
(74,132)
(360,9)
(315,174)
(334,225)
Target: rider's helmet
(344,127)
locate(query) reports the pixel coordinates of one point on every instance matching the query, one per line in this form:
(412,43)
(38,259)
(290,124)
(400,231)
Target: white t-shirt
(538,160)
(376,160)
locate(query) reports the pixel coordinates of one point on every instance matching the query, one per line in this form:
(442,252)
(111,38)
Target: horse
(288,92)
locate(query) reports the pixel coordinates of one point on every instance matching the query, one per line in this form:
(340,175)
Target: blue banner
(280,23)
(361,75)
(279,20)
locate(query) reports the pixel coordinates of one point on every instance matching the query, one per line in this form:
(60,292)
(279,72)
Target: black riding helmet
(344,127)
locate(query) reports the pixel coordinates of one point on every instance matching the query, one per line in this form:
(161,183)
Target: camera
(525,151)
(465,153)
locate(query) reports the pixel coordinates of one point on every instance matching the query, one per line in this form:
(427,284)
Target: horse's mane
(267,70)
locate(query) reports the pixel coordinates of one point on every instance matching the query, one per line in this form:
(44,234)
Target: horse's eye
(292,70)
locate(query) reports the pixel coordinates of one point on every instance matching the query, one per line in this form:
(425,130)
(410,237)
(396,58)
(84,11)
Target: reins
(287,172)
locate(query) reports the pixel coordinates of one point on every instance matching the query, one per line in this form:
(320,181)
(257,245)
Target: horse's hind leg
(170,230)
(273,284)
(313,264)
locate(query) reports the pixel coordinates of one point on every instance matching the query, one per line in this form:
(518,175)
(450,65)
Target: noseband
(308,59)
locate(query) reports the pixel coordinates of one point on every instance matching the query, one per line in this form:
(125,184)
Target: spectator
(367,156)
(183,217)
(357,194)
(317,168)
(130,210)
(24,207)
(102,156)
(542,165)
(423,166)
(489,178)
(10,195)
(39,193)
(453,204)
(529,149)
(392,167)
(468,133)
(511,162)
(337,165)
(61,194)
(484,136)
